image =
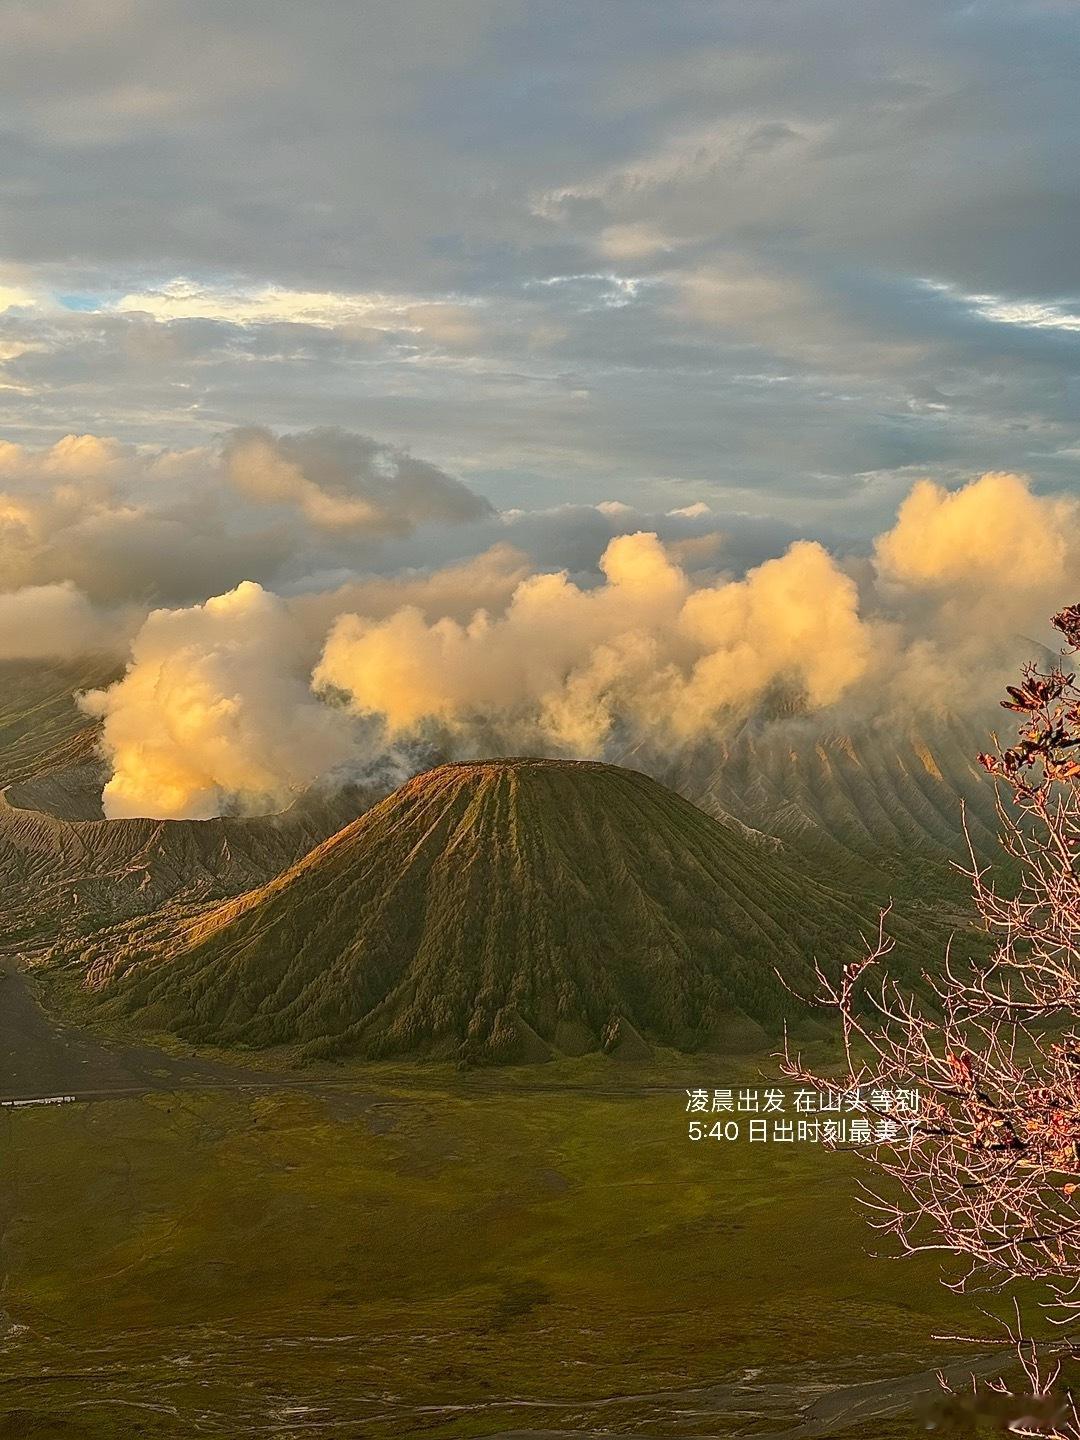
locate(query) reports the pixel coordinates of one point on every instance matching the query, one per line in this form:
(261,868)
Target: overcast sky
(779,256)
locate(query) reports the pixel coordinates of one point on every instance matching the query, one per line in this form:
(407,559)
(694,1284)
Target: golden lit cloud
(215,710)
(563,663)
(248,698)
(994,534)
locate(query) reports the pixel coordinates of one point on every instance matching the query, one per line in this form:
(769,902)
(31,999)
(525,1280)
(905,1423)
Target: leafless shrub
(988,1169)
(1038,1407)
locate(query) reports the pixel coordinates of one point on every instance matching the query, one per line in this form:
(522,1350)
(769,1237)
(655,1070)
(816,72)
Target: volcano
(496,911)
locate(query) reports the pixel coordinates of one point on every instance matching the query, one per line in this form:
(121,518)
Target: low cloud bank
(563,665)
(249,697)
(58,622)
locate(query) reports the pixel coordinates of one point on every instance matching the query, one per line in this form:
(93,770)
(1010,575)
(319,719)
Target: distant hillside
(493,911)
(70,792)
(41,727)
(60,876)
(881,798)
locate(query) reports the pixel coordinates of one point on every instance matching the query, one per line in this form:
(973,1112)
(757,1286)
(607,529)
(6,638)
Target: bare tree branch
(988,1168)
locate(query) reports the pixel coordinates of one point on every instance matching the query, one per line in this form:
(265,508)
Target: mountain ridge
(78,875)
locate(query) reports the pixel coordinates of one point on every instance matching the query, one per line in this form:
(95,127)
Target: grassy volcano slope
(41,726)
(483,902)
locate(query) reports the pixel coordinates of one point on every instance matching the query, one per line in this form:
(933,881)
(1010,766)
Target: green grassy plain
(431,1254)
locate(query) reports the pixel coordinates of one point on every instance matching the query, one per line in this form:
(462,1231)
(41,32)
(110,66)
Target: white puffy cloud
(482,582)
(246,699)
(993,535)
(215,710)
(564,664)
(968,576)
(126,523)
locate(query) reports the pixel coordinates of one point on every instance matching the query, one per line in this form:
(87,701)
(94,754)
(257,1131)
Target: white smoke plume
(215,710)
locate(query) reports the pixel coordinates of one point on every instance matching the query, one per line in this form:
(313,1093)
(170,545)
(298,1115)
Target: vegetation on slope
(493,910)
(438,1257)
(41,727)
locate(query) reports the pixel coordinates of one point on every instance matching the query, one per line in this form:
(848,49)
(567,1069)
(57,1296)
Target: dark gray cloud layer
(124,525)
(780,256)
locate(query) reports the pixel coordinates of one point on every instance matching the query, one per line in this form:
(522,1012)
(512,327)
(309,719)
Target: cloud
(435,321)
(992,535)
(794,618)
(242,701)
(58,622)
(80,459)
(215,711)
(482,582)
(131,523)
(726,255)
(343,481)
(969,578)
(123,524)
(637,241)
(564,665)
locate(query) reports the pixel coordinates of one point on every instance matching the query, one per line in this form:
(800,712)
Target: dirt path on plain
(823,1409)
(41,1056)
